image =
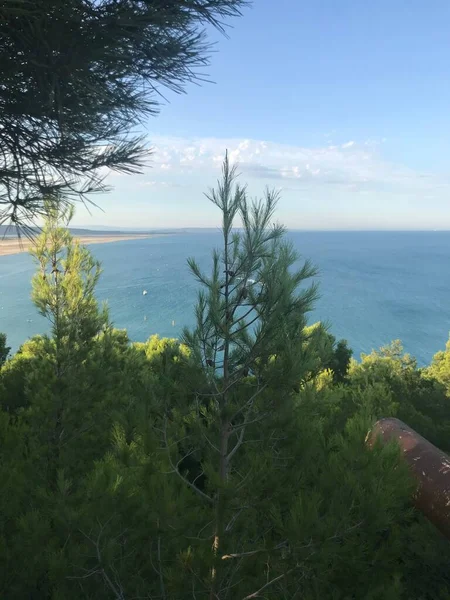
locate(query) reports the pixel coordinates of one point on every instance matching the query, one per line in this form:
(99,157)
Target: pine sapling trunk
(224,431)
(58,394)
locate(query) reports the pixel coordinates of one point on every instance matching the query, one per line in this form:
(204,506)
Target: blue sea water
(375,287)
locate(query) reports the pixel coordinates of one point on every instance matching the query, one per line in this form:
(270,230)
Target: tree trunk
(220,507)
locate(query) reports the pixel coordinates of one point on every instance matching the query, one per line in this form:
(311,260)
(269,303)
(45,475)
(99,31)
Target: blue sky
(342,106)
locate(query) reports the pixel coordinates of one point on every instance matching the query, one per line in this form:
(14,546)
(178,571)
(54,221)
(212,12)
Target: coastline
(17,246)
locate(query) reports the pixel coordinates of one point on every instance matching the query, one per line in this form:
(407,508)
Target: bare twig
(234,519)
(257,594)
(237,445)
(161,578)
(252,552)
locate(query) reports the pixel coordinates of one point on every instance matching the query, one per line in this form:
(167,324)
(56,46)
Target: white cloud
(356,166)
(155,183)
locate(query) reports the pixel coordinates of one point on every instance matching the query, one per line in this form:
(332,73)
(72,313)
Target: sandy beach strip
(15,246)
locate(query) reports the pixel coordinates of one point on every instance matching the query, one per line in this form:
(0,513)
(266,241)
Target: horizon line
(217,227)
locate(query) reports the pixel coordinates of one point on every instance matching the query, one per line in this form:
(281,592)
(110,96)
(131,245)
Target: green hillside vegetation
(229,464)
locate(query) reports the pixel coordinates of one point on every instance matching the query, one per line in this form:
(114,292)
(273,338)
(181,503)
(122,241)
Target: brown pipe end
(429,466)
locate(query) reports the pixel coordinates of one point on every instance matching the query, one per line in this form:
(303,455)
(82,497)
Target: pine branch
(71,101)
(237,445)
(253,552)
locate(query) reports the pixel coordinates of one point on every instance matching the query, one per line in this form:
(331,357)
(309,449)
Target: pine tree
(63,291)
(63,287)
(249,335)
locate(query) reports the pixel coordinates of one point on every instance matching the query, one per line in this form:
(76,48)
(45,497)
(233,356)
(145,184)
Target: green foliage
(440,367)
(328,354)
(340,363)
(401,389)
(251,313)
(63,287)
(233,465)
(4,349)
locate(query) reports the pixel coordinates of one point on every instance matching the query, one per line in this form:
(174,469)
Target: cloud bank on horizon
(356,165)
(349,185)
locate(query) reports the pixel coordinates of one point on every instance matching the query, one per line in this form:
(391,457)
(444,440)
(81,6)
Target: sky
(344,107)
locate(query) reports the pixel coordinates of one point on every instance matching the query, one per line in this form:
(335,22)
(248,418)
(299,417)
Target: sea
(374,287)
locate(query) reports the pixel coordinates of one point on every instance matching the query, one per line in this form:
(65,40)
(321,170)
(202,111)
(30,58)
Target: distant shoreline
(10,246)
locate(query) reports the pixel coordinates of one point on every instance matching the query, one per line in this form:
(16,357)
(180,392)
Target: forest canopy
(230,463)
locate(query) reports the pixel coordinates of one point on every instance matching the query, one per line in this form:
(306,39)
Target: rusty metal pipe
(429,466)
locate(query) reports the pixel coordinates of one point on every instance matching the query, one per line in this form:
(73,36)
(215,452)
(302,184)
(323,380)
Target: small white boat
(144,293)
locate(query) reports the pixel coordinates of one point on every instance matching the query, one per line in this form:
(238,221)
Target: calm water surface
(375,286)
